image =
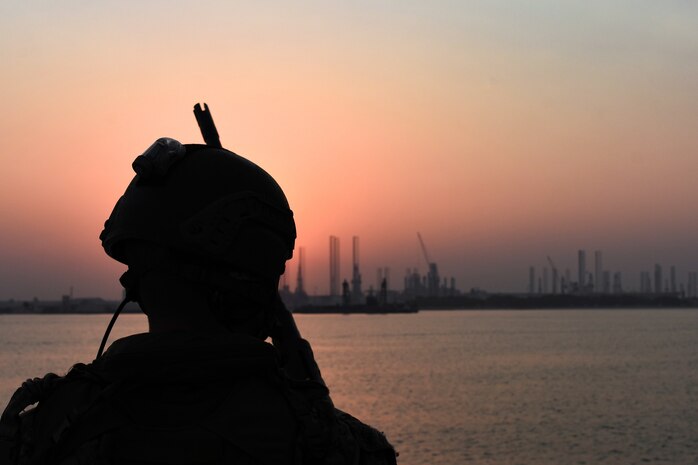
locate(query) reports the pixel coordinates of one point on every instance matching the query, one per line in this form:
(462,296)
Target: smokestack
(334,266)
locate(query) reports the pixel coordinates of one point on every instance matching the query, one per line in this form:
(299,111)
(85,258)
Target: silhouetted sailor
(205,234)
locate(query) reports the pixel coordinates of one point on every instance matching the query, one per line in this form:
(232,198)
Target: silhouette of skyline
(539,277)
(570,277)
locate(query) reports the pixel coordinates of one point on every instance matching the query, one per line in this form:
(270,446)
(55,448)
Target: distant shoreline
(473,301)
(423,310)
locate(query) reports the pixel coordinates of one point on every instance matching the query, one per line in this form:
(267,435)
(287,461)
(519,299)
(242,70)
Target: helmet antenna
(207,126)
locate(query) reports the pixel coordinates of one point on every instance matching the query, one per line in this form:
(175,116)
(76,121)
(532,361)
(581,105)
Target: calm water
(496,387)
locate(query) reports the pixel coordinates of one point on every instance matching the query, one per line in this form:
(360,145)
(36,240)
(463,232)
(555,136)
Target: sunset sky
(502,131)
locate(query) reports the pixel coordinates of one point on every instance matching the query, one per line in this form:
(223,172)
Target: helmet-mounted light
(158,158)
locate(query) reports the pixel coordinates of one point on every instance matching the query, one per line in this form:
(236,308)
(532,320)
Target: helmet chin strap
(130,285)
(111,325)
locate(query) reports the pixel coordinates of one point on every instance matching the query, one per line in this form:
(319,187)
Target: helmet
(207,203)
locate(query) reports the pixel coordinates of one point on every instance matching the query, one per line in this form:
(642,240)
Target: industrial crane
(552,265)
(433,279)
(424,248)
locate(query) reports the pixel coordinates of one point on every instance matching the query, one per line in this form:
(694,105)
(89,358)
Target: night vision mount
(207,126)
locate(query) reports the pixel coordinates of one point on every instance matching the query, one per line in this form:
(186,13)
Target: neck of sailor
(175,304)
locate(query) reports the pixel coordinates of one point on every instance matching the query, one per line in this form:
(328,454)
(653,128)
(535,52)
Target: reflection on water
(499,387)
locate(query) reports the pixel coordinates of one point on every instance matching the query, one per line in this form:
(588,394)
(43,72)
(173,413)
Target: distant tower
(531,280)
(582,269)
(672,277)
(657,279)
(346,295)
(300,289)
(334,266)
(553,268)
(692,285)
(598,272)
(383,295)
(356,293)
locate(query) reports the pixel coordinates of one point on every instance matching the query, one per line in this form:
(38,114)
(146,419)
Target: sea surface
(484,387)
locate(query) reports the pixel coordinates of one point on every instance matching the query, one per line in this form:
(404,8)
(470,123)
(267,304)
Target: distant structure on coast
(595,285)
(606,282)
(356,291)
(67,304)
(547,286)
(334,266)
(581,270)
(692,286)
(353,290)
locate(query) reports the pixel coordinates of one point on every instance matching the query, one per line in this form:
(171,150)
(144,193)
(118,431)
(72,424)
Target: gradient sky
(503,131)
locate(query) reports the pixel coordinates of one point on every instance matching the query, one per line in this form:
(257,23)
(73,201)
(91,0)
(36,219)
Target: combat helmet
(206,203)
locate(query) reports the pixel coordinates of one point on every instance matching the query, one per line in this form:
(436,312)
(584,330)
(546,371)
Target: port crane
(433,279)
